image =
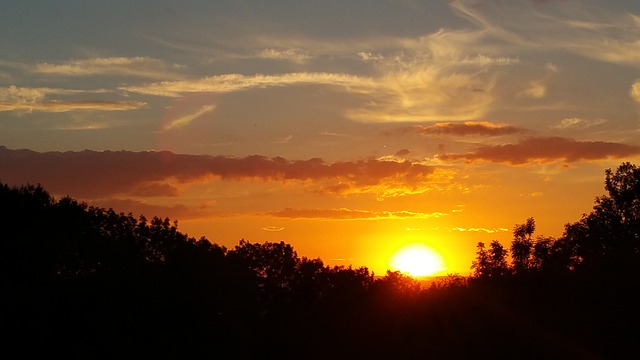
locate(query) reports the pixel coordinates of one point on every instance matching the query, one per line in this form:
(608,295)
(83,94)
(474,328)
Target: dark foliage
(84,282)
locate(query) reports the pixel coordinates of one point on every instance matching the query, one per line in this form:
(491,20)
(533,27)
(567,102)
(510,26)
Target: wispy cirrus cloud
(546,150)
(273,228)
(480,229)
(23,99)
(130,66)
(187,119)
(467,128)
(635,91)
(61,106)
(443,76)
(95,174)
(351,214)
(535,90)
(578,123)
(36,94)
(293,55)
(589,30)
(227,83)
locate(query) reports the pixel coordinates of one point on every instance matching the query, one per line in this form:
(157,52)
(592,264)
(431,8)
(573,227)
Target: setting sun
(417,260)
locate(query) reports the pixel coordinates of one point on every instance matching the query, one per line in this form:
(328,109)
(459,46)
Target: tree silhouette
(491,263)
(521,246)
(80,281)
(608,239)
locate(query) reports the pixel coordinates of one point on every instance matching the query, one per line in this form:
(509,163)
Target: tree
(521,246)
(398,284)
(480,265)
(274,264)
(542,253)
(490,263)
(498,257)
(609,237)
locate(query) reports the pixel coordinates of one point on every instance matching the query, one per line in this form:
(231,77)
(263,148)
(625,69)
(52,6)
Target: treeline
(603,243)
(79,281)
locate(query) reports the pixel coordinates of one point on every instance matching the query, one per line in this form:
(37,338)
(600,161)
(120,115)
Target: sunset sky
(345,128)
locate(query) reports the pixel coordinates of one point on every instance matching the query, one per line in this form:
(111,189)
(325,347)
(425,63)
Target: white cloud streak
(433,78)
(59,106)
(187,119)
(635,91)
(295,56)
(23,99)
(575,27)
(130,66)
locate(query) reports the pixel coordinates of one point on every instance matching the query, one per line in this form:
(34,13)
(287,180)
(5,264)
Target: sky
(348,129)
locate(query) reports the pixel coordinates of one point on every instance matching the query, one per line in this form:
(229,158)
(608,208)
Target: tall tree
(522,245)
(492,262)
(609,237)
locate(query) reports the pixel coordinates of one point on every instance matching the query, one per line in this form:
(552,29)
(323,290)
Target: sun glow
(417,260)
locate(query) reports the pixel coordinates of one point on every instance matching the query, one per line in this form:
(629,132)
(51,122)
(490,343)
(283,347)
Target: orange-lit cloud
(480,229)
(187,119)
(293,55)
(351,214)
(577,123)
(467,128)
(129,66)
(98,174)
(431,78)
(594,32)
(545,150)
(60,106)
(535,90)
(635,91)
(238,82)
(273,228)
(23,99)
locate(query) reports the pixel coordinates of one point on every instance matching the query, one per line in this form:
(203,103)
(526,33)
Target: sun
(417,260)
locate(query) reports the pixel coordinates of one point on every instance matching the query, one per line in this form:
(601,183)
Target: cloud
(467,128)
(535,90)
(14,94)
(295,56)
(484,60)
(435,77)
(484,230)
(330,133)
(635,91)
(576,123)
(351,214)
(92,174)
(545,150)
(284,140)
(130,66)
(593,31)
(403,152)
(273,228)
(187,119)
(367,56)
(22,99)
(60,106)
(237,82)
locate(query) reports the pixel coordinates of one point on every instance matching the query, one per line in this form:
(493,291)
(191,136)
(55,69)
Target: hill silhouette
(86,282)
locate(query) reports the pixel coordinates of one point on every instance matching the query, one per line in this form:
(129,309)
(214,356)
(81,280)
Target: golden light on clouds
(187,119)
